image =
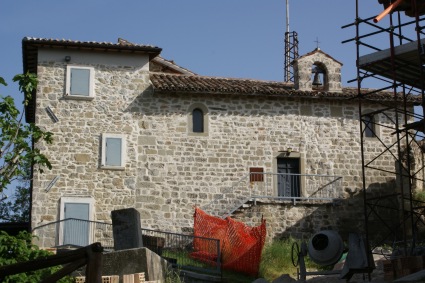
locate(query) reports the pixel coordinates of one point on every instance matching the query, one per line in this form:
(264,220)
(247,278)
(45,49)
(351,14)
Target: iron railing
(73,232)
(292,187)
(182,250)
(179,249)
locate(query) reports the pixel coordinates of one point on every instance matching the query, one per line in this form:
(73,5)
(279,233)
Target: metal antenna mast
(287,16)
(291,49)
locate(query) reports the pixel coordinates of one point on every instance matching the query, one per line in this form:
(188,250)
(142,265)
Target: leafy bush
(20,249)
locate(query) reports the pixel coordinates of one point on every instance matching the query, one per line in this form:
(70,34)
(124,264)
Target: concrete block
(135,261)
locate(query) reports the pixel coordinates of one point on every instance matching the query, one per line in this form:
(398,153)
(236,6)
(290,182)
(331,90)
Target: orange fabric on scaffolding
(240,245)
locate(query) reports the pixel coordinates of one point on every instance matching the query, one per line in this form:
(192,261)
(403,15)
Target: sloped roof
(171,83)
(121,44)
(318,50)
(169,66)
(30,46)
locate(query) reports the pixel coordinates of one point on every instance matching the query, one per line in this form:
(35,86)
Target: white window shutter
(80,81)
(113,152)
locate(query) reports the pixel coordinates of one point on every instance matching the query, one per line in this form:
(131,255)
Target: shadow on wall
(302,220)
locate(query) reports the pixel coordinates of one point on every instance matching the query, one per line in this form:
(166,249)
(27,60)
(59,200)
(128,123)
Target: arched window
(369,122)
(198,120)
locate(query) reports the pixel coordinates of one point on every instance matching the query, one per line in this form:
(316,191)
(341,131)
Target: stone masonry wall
(169,171)
(304,219)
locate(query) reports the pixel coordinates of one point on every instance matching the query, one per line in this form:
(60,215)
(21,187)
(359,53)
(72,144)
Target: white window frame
(63,200)
(68,83)
(123,151)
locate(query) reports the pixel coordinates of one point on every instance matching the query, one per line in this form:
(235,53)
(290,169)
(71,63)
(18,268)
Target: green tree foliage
(20,249)
(17,207)
(16,151)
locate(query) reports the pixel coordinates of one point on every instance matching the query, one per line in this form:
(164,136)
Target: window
(113,151)
(198,120)
(75,215)
(369,126)
(80,82)
(256,174)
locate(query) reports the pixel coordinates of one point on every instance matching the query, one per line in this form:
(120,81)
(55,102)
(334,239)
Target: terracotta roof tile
(67,42)
(172,65)
(171,83)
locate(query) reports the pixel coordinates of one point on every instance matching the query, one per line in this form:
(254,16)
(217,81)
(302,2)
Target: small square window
(256,174)
(113,151)
(80,82)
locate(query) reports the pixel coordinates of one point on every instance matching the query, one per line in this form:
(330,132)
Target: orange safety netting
(240,245)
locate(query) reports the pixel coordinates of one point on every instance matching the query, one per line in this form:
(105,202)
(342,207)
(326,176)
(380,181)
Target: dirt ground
(376,276)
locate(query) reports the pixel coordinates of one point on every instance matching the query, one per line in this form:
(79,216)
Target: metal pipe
(388,10)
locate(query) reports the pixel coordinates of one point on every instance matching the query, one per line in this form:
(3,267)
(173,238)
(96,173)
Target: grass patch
(276,260)
(182,257)
(419,196)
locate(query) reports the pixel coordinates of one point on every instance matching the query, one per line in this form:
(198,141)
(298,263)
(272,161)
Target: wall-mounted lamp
(288,151)
(67,58)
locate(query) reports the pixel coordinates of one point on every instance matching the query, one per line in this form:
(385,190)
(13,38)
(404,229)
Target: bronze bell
(317,80)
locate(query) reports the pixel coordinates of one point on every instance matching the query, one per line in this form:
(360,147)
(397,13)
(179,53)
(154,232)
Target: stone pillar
(126,229)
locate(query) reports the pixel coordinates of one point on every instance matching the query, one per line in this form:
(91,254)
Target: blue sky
(226,38)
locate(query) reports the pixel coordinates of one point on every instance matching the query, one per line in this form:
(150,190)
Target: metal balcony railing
(181,250)
(272,186)
(73,232)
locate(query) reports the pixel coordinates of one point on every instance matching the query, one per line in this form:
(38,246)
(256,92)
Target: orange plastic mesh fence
(240,244)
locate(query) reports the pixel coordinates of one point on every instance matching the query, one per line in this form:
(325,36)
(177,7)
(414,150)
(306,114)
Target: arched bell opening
(319,77)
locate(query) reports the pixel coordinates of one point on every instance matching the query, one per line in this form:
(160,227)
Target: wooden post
(94,264)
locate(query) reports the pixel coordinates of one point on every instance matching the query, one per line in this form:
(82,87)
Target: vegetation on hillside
(20,249)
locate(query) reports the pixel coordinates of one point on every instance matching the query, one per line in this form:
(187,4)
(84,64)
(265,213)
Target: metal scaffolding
(391,55)
(291,53)
(291,50)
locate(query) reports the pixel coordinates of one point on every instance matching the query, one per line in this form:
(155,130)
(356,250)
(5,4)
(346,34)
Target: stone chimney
(317,61)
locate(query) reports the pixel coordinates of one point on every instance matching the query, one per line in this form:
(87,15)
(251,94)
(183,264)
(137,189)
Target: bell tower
(317,71)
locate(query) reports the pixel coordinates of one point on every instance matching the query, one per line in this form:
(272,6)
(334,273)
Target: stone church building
(132,129)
